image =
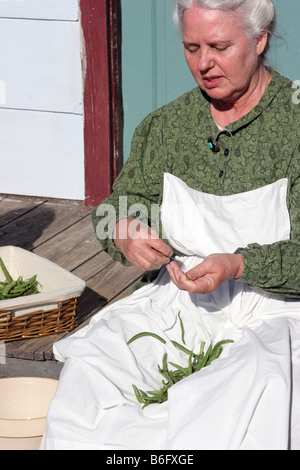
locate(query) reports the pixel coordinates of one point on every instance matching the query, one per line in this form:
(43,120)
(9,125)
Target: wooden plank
(93,266)
(42,154)
(41,65)
(113,280)
(12,208)
(72,247)
(46,9)
(24,368)
(41,224)
(32,349)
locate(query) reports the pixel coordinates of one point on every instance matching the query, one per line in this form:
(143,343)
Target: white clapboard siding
(41,154)
(40,9)
(40,65)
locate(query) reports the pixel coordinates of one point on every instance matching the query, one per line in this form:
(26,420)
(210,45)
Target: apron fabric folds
(247,399)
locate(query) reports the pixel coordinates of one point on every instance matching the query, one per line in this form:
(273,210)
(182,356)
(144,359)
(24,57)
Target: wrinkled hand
(208,275)
(140,244)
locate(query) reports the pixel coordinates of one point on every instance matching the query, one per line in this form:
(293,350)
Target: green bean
(31,292)
(202,349)
(154,392)
(223,341)
(11,289)
(204,360)
(8,288)
(5,272)
(182,328)
(164,362)
(190,367)
(164,370)
(144,395)
(26,284)
(183,370)
(137,394)
(216,354)
(183,348)
(146,333)
(195,363)
(166,375)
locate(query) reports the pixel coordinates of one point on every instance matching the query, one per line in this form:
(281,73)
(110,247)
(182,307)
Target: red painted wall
(102,116)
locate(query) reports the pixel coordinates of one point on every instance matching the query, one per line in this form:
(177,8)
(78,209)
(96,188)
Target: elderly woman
(214,180)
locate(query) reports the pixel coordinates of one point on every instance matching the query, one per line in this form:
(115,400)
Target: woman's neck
(226,112)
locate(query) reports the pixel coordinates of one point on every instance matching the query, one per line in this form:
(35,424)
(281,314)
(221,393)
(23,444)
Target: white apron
(241,401)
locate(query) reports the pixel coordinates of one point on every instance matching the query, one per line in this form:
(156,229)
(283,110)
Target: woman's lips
(211,82)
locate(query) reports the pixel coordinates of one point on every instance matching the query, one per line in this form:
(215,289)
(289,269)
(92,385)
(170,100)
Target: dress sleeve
(136,192)
(275,268)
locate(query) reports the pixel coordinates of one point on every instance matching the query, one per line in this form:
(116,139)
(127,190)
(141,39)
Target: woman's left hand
(208,275)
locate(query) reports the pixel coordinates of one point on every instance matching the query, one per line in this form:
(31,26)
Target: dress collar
(271,91)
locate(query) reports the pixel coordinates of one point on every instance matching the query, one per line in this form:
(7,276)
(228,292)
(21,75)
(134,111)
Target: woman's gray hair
(256,16)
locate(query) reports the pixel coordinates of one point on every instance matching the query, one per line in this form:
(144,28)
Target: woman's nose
(205,61)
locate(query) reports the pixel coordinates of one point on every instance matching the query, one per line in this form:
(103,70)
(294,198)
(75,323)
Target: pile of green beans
(10,288)
(171,376)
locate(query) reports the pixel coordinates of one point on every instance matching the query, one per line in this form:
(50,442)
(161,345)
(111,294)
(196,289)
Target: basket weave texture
(39,323)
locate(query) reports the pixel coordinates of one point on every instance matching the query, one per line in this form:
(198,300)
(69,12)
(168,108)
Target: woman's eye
(192,49)
(220,49)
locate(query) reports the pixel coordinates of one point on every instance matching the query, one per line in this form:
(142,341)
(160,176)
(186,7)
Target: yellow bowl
(24,403)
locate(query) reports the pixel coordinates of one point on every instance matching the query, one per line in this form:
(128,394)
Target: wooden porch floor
(62,232)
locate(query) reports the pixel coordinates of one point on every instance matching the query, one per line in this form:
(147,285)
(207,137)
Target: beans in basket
(10,288)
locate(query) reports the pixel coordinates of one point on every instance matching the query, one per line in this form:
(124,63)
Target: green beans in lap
(11,289)
(171,376)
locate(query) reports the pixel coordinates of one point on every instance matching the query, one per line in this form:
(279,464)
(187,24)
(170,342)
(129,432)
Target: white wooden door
(41,111)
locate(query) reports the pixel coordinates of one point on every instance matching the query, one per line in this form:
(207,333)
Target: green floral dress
(258,149)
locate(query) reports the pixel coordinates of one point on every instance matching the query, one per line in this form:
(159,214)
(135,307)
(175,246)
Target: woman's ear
(261,42)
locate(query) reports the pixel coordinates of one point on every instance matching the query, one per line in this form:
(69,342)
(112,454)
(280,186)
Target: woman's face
(220,55)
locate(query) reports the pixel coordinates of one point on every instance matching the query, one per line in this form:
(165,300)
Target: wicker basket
(39,323)
(50,312)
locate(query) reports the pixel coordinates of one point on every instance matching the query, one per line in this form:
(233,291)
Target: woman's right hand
(209,274)
(140,244)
